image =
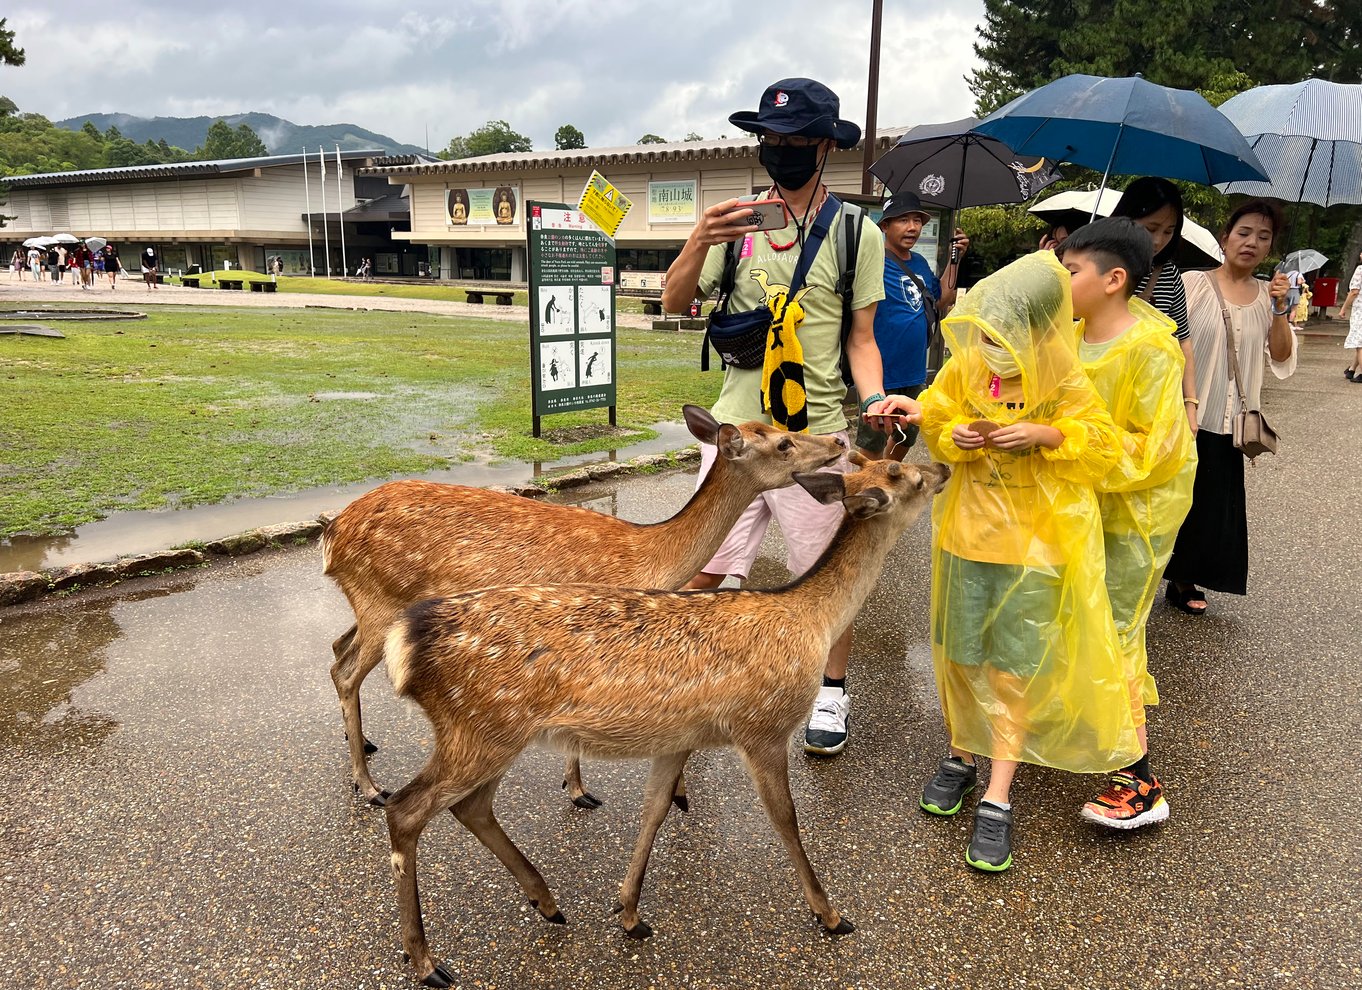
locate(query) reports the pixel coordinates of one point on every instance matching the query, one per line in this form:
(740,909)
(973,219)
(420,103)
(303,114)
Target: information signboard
(572,312)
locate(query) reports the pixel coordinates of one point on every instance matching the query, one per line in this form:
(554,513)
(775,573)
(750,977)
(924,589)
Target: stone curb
(17,587)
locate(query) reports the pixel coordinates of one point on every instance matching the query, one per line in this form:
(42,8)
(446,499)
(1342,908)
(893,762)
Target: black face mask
(788,167)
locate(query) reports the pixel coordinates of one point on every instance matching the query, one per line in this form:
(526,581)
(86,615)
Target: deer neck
(838,585)
(713,509)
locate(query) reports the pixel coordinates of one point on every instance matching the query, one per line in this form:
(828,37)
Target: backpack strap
(848,248)
(727,280)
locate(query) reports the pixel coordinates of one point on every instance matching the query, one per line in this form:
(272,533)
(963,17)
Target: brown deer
(620,673)
(411,540)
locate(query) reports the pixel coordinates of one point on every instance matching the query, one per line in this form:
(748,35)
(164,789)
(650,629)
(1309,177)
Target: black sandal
(1182,600)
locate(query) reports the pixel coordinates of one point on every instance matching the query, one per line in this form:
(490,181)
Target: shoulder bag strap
(1147,293)
(1231,352)
(727,280)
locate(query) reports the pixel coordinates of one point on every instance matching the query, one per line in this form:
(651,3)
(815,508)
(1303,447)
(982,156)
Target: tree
(1216,47)
(568,138)
(9,53)
(652,139)
(224,142)
(1181,43)
(693,136)
(493,138)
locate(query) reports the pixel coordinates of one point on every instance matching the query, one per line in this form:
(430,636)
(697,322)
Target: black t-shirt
(150,261)
(111,259)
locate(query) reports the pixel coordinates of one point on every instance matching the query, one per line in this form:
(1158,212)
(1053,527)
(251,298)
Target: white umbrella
(35,242)
(95,243)
(1306,261)
(65,239)
(1199,250)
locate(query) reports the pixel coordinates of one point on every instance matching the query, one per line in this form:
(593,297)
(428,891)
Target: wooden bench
(502,298)
(652,306)
(191,280)
(228,282)
(261,286)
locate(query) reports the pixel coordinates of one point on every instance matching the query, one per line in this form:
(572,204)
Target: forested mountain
(280,136)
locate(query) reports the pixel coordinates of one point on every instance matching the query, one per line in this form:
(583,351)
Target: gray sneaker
(945,793)
(991,847)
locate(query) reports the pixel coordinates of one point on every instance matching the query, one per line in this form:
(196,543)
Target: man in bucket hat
(797,124)
(914,302)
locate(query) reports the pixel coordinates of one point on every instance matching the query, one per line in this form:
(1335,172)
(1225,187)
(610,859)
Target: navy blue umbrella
(949,165)
(1125,126)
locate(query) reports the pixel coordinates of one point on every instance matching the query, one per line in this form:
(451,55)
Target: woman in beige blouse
(1212,546)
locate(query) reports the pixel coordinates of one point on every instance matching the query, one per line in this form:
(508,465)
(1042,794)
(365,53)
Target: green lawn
(192,406)
(415,290)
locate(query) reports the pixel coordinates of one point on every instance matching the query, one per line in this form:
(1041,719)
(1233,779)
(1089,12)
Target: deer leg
(341,649)
(475,812)
(657,799)
(572,783)
(679,795)
(354,661)
(408,812)
(768,764)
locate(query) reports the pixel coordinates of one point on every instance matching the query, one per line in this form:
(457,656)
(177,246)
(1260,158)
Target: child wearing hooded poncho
(1028,663)
(1128,353)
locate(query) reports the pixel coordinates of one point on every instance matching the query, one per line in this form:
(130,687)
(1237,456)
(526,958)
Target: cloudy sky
(616,69)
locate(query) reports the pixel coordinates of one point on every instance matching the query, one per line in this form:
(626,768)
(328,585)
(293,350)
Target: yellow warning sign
(603,204)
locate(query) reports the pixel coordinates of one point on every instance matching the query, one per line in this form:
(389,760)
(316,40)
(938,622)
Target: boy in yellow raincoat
(1028,666)
(1129,353)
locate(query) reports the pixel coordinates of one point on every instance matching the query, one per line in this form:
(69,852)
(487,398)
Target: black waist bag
(740,338)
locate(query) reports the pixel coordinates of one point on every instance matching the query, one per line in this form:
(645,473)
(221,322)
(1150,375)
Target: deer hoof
(844,927)
(681,801)
(440,976)
(556,918)
(380,799)
(370,748)
(640,931)
(588,801)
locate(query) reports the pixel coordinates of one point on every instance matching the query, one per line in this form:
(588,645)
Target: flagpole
(340,208)
(326,217)
(307,191)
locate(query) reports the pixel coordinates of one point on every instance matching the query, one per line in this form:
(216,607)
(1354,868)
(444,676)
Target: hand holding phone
(767,214)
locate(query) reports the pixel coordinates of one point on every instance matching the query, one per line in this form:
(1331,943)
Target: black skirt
(1212,547)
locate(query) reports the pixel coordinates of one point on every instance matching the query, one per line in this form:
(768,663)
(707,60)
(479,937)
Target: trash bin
(1324,293)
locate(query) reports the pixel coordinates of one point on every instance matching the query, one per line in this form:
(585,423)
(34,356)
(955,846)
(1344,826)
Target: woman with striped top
(1156,205)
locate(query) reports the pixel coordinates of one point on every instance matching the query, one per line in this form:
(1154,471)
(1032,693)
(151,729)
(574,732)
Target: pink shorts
(807,525)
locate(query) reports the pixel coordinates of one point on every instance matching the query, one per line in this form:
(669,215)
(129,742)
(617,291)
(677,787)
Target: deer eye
(785,444)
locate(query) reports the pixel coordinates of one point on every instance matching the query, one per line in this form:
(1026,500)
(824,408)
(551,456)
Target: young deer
(620,673)
(411,540)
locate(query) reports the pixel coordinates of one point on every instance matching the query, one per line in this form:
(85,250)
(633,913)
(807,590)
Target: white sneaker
(826,732)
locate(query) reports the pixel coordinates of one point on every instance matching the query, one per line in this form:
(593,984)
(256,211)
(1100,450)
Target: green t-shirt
(761,266)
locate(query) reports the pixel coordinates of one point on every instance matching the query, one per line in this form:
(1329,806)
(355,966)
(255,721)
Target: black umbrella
(949,165)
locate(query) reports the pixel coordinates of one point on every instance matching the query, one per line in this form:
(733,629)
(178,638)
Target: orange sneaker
(1128,802)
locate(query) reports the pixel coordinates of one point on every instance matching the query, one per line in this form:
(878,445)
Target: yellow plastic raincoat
(1146,494)
(1028,666)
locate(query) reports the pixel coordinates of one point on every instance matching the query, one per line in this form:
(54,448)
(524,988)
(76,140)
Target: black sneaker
(991,847)
(945,792)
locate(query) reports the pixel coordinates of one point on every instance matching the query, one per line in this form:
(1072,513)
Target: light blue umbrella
(1125,126)
(1308,136)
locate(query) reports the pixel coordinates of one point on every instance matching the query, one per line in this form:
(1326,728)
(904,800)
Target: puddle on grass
(144,531)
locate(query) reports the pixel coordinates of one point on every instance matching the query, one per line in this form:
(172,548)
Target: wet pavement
(180,811)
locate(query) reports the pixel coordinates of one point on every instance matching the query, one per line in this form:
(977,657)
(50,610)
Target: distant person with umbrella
(1156,205)
(1212,546)
(1353,315)
(909,315)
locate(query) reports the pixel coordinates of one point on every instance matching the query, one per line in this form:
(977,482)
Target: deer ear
(729,440)
(701,424)
(822,485)
(857,458)
(866,503)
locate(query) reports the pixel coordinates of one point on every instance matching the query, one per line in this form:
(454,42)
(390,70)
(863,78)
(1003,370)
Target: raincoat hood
(1027,309)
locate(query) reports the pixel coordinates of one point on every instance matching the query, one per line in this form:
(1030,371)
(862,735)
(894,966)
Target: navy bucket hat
(801,107)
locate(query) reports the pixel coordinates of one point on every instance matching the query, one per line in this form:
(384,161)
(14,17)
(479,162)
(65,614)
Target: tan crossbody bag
(1252,435)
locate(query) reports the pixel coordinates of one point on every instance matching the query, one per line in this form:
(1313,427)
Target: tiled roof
(181,170)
